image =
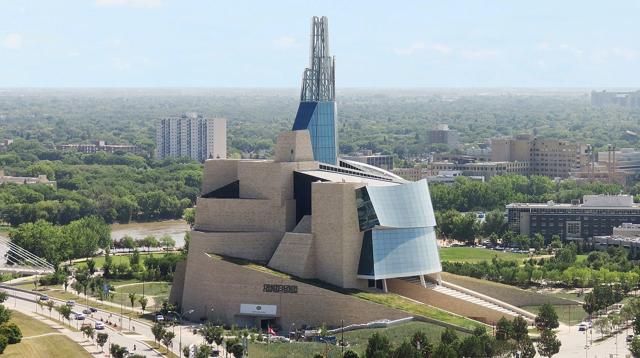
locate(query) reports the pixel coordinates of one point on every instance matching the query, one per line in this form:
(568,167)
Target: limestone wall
(254,246)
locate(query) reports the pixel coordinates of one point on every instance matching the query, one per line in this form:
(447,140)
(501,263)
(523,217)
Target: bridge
(15,259)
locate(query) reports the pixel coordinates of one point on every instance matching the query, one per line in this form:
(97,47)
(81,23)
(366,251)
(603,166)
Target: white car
(80,316)
(71,303)
(159,318)
(99,326)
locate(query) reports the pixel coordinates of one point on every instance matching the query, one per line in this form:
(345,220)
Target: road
(140,332)
(573,344)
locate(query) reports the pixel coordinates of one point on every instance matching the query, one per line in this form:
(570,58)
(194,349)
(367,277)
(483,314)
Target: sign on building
(258,310)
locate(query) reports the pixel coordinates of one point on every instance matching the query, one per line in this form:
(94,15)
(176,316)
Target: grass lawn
(357,341)
(53,346)
(581,258)
(569,314)
(401,303)
(474,254)
(567,295)
(162,349)
(117,259)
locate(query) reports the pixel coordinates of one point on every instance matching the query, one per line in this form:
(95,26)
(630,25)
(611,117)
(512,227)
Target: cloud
(11,41)
(285,42)
(441,49)
(120,64)
(478,54)
(74,53)
(130,3)
(626,53)
(410,50)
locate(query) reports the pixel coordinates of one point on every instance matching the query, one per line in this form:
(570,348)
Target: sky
(189,43)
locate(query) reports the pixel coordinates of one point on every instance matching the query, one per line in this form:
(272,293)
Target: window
(573,229)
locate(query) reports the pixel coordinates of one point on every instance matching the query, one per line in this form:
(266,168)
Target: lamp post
(181,319)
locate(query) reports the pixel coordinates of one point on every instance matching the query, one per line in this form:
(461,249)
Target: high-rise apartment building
(191,135)
(441,134)
(623,99)
(317,110)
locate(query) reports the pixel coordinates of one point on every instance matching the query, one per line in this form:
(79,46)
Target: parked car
(71,303)
(92,309)
(80,316)
(159,318)
(629,338)
(86,311)
(582,326)
(99,326)
(44,298)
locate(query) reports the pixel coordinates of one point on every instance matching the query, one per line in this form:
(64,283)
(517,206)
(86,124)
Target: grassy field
(357,341)
(401,303)
(473,254)
(162,349)
(569,314)
(581,258)
(52,346)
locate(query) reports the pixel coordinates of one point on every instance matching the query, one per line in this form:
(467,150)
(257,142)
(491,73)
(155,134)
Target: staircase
(457,299)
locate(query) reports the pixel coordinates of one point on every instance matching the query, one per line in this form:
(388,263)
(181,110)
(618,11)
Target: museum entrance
(265,323)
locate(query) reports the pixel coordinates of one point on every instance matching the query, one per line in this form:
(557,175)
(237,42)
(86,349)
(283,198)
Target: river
(174,228)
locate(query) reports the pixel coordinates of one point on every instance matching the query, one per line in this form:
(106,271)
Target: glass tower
(317,110)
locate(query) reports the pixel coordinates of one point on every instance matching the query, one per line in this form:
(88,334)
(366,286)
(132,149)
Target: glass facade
(319,119)
(399,231)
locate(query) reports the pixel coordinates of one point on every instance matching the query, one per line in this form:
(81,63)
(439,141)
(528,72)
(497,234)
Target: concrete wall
(505,293)
(294,146)
(218,173)
(178,282)
(222,286)
(446,302)
(294,255)
(337,239)
(244,215)
(254,246)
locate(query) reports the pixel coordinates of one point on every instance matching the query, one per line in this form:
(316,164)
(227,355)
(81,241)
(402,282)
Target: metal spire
(318,82)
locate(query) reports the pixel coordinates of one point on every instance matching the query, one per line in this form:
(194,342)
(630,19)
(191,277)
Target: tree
(88,331)
(636,324)
(520,330)
(635,347)
(117,351)
(132,298)
(167,241)
(445,351)
(504,329)
(101,339)
(12,332)
(5,315)
(350,354)
(548,344)
(448,336)
(526,348)
(143,302)
(158,331)
(91,265)
(50,306)
(547,317)
(3,296)
(4,342)
(494,223)
(378,346)
(167,338)
(128,242)
(406,350)
(202,351)
(190,216)
(65,311)
(422,344)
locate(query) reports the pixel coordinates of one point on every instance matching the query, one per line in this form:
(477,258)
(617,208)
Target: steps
(458,300)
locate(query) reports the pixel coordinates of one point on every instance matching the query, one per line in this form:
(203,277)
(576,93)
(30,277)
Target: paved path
(574,343)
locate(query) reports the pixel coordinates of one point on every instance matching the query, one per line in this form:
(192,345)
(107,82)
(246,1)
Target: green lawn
(357,341)
(473,254)
(52,346)
(569,314)
(395,301)
(581,258)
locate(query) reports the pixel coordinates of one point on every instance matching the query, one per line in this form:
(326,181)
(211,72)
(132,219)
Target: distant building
(481,169)
(441,134)
(4,145)
(549,157)
(191,135)
(596,216)
(381,161)
(622,99)
(413,174)
(626,236)
(40,179)
(101,146)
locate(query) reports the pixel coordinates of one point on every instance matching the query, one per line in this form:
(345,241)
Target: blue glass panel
(365,265)
(319,119)
(403,206)
(305,112)
(404,252)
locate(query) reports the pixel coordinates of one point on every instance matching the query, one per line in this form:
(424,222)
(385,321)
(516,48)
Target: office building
(40,179)
(597,215)
(266,230)
(191,135)
(549,157)
(4,144)
(317,109)
(378,160)
(480,169)
(622,99)
(441,134)
(101,146)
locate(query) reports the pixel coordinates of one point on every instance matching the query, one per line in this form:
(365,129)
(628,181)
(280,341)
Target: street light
(181,319)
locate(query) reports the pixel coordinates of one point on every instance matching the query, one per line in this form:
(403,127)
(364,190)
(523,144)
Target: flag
(270,331)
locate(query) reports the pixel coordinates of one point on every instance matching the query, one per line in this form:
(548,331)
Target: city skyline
(158,43)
